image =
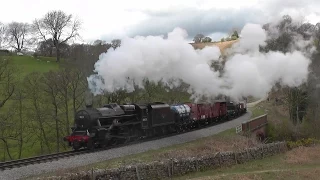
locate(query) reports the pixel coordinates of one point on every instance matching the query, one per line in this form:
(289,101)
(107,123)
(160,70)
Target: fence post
(92,173)
(168,167)
(137,172)
(171,167)
(220,159)
(197,168)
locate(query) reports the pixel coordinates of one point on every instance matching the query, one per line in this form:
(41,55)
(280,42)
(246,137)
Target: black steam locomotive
(114,124)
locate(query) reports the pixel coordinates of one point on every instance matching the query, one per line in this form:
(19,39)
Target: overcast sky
(105,19)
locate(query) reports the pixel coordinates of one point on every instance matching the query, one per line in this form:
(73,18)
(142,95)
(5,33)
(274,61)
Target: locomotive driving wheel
(90,144)
(76,145)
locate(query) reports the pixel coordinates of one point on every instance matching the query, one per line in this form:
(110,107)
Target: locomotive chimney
(88,99)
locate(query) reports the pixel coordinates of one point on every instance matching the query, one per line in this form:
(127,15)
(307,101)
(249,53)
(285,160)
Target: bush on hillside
(282,131)
(35,55)
(302,142)
(4,52)
(234,38)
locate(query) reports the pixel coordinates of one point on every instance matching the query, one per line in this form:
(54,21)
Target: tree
(317,35)
(206,39)
(2,34)
(7,81)
(46,48)
(235,34)
(198,38)
(98,42)
(38,109)
(84,56)
(222,39)
(116,43)
(20,125)
(296,99)
(17,35)
(59,26)
(51,89)
(7,88)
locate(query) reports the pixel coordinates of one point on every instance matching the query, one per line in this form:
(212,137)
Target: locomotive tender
(116,124)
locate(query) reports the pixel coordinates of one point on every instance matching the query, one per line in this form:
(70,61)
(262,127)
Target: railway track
(37,159)
(56,156)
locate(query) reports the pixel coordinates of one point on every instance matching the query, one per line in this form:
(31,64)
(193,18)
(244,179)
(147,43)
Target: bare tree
(37,110)
(77,88)
(51,87)
(296,100)
(5,132)
(7,89)
(84,56)
(63,78)
(7,81)
(2,34)
(17,35)
(20,124)
(59,26)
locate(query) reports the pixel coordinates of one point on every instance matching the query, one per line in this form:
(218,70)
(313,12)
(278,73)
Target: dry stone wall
(178,167)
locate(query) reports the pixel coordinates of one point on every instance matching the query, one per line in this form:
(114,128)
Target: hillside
(28,64)
(221,45)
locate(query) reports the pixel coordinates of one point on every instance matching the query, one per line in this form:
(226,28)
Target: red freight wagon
(215,109)
(195,114)
(204,111)
(223,108)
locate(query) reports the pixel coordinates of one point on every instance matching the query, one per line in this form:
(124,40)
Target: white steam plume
(246,72)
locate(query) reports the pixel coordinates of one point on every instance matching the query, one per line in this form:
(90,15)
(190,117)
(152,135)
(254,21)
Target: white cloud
(108,19)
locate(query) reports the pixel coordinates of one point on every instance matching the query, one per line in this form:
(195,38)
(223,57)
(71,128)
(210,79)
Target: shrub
(35,55)
(281,131)
(302,142)
(234,37)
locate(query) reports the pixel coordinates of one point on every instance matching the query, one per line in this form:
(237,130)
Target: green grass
(28,64)
(257,111)
(282,166)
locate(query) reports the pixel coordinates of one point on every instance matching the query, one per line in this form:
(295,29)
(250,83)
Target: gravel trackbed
(90,158)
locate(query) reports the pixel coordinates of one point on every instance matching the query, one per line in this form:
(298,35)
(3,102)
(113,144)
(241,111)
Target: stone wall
(178,167)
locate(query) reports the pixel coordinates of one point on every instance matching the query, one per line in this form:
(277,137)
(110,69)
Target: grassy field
(28,64)
(299,163)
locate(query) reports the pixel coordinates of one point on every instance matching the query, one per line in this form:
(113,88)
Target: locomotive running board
(118,116)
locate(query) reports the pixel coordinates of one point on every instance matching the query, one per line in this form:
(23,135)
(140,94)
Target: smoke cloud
(246,72)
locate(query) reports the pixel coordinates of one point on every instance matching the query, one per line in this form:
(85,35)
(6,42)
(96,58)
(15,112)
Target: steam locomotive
(117,124)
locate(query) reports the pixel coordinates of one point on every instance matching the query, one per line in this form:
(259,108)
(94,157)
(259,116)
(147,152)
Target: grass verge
(299,163)
(225,141)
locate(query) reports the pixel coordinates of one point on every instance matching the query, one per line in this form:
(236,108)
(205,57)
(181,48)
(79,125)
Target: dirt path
(252,104)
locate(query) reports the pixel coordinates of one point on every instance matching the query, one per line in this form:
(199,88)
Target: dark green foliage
(198,38)
(206,39)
